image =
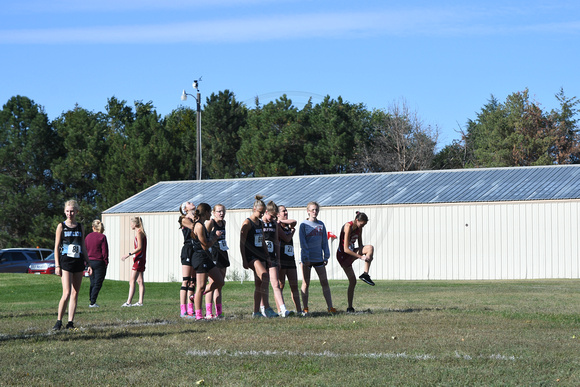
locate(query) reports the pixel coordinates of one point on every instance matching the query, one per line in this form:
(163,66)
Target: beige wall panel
(470,241)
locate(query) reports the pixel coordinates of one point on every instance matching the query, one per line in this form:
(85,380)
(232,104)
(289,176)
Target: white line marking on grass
(403,355)
(223,352)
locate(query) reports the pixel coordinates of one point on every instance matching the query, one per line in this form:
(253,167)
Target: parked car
(17,260)
(46,266)
(43,267)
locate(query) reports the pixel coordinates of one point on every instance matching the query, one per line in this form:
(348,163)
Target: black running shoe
(57,326)
(349,310)
(70,325)
(367,279)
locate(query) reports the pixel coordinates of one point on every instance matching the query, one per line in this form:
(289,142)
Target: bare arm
(84,251)
(57,240)
(243,237)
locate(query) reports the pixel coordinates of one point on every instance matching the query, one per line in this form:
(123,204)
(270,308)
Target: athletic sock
(183,309)
(198,314)
(262,309)
(190,309)
(208,309)
(282,308)
(218,309)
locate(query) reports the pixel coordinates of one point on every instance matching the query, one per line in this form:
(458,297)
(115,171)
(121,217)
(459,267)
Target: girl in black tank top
(217,230)
(70,259)
(202,263)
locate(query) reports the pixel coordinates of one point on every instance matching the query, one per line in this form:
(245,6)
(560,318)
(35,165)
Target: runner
(187,290)
(286,229)
(219,252)
(314,252)
(70,260)
(348,252)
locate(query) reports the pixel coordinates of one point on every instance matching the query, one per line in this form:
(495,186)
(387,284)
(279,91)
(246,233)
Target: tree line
(102,158)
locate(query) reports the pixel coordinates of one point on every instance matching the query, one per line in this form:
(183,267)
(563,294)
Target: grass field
(404,333)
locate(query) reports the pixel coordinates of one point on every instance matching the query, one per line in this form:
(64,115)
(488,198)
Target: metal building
(500,223)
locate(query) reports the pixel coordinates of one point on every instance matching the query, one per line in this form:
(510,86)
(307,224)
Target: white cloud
(415,22)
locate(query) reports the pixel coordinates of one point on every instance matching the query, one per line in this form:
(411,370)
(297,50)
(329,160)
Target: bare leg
(132,286)
(321,271)
(273,271)
(369,251)
(77,280)
(65,280)
(185,284)
(141,282)
(200,279)
(261,281)
(293,281)
(351,284)
(305,284)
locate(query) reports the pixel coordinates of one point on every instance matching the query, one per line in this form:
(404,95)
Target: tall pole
(198,127)
(198,141)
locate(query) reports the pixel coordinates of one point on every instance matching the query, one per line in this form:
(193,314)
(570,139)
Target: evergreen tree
(28,203)
(222,118)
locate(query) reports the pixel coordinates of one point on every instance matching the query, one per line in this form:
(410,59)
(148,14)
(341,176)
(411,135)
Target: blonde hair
(98,226)
(71,203)
(272,207)
(315,204)
(138,222)
(259,203)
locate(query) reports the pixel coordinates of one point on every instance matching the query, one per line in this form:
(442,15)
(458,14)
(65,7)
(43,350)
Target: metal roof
(420,187)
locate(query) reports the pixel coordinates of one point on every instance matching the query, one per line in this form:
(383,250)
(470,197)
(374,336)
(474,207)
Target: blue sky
(444,58)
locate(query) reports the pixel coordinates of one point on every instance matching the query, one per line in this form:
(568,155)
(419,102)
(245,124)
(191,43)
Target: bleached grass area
(403,333)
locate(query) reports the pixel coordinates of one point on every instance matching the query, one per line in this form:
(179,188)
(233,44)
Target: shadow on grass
(109,331)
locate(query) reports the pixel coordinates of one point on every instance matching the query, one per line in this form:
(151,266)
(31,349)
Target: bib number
(289,250)
(73,251)
(223,245)
(270,245)
(258,240)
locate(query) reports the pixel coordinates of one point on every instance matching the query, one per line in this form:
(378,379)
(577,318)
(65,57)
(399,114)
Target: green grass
(407,333)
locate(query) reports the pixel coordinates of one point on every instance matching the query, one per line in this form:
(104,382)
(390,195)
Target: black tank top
(286,248)
(254,241)
(195,241)
(269,236)
(72,239)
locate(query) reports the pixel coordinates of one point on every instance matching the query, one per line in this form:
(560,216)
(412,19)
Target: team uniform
(201,259)
(254,242)
(269,230)
(287,260)
(313,243)
(70,253)
(187,249)
(345,259)
(219,250)
(140,258)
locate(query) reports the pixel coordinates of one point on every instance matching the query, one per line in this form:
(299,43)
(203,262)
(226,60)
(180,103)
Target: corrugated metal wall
(473,241)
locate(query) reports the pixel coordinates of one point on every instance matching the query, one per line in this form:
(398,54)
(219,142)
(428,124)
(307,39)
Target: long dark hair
(361,216)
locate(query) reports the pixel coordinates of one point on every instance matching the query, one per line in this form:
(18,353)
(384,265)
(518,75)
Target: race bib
(223,245)
(270,245)
(289,250)
(72,251)
(258,240)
